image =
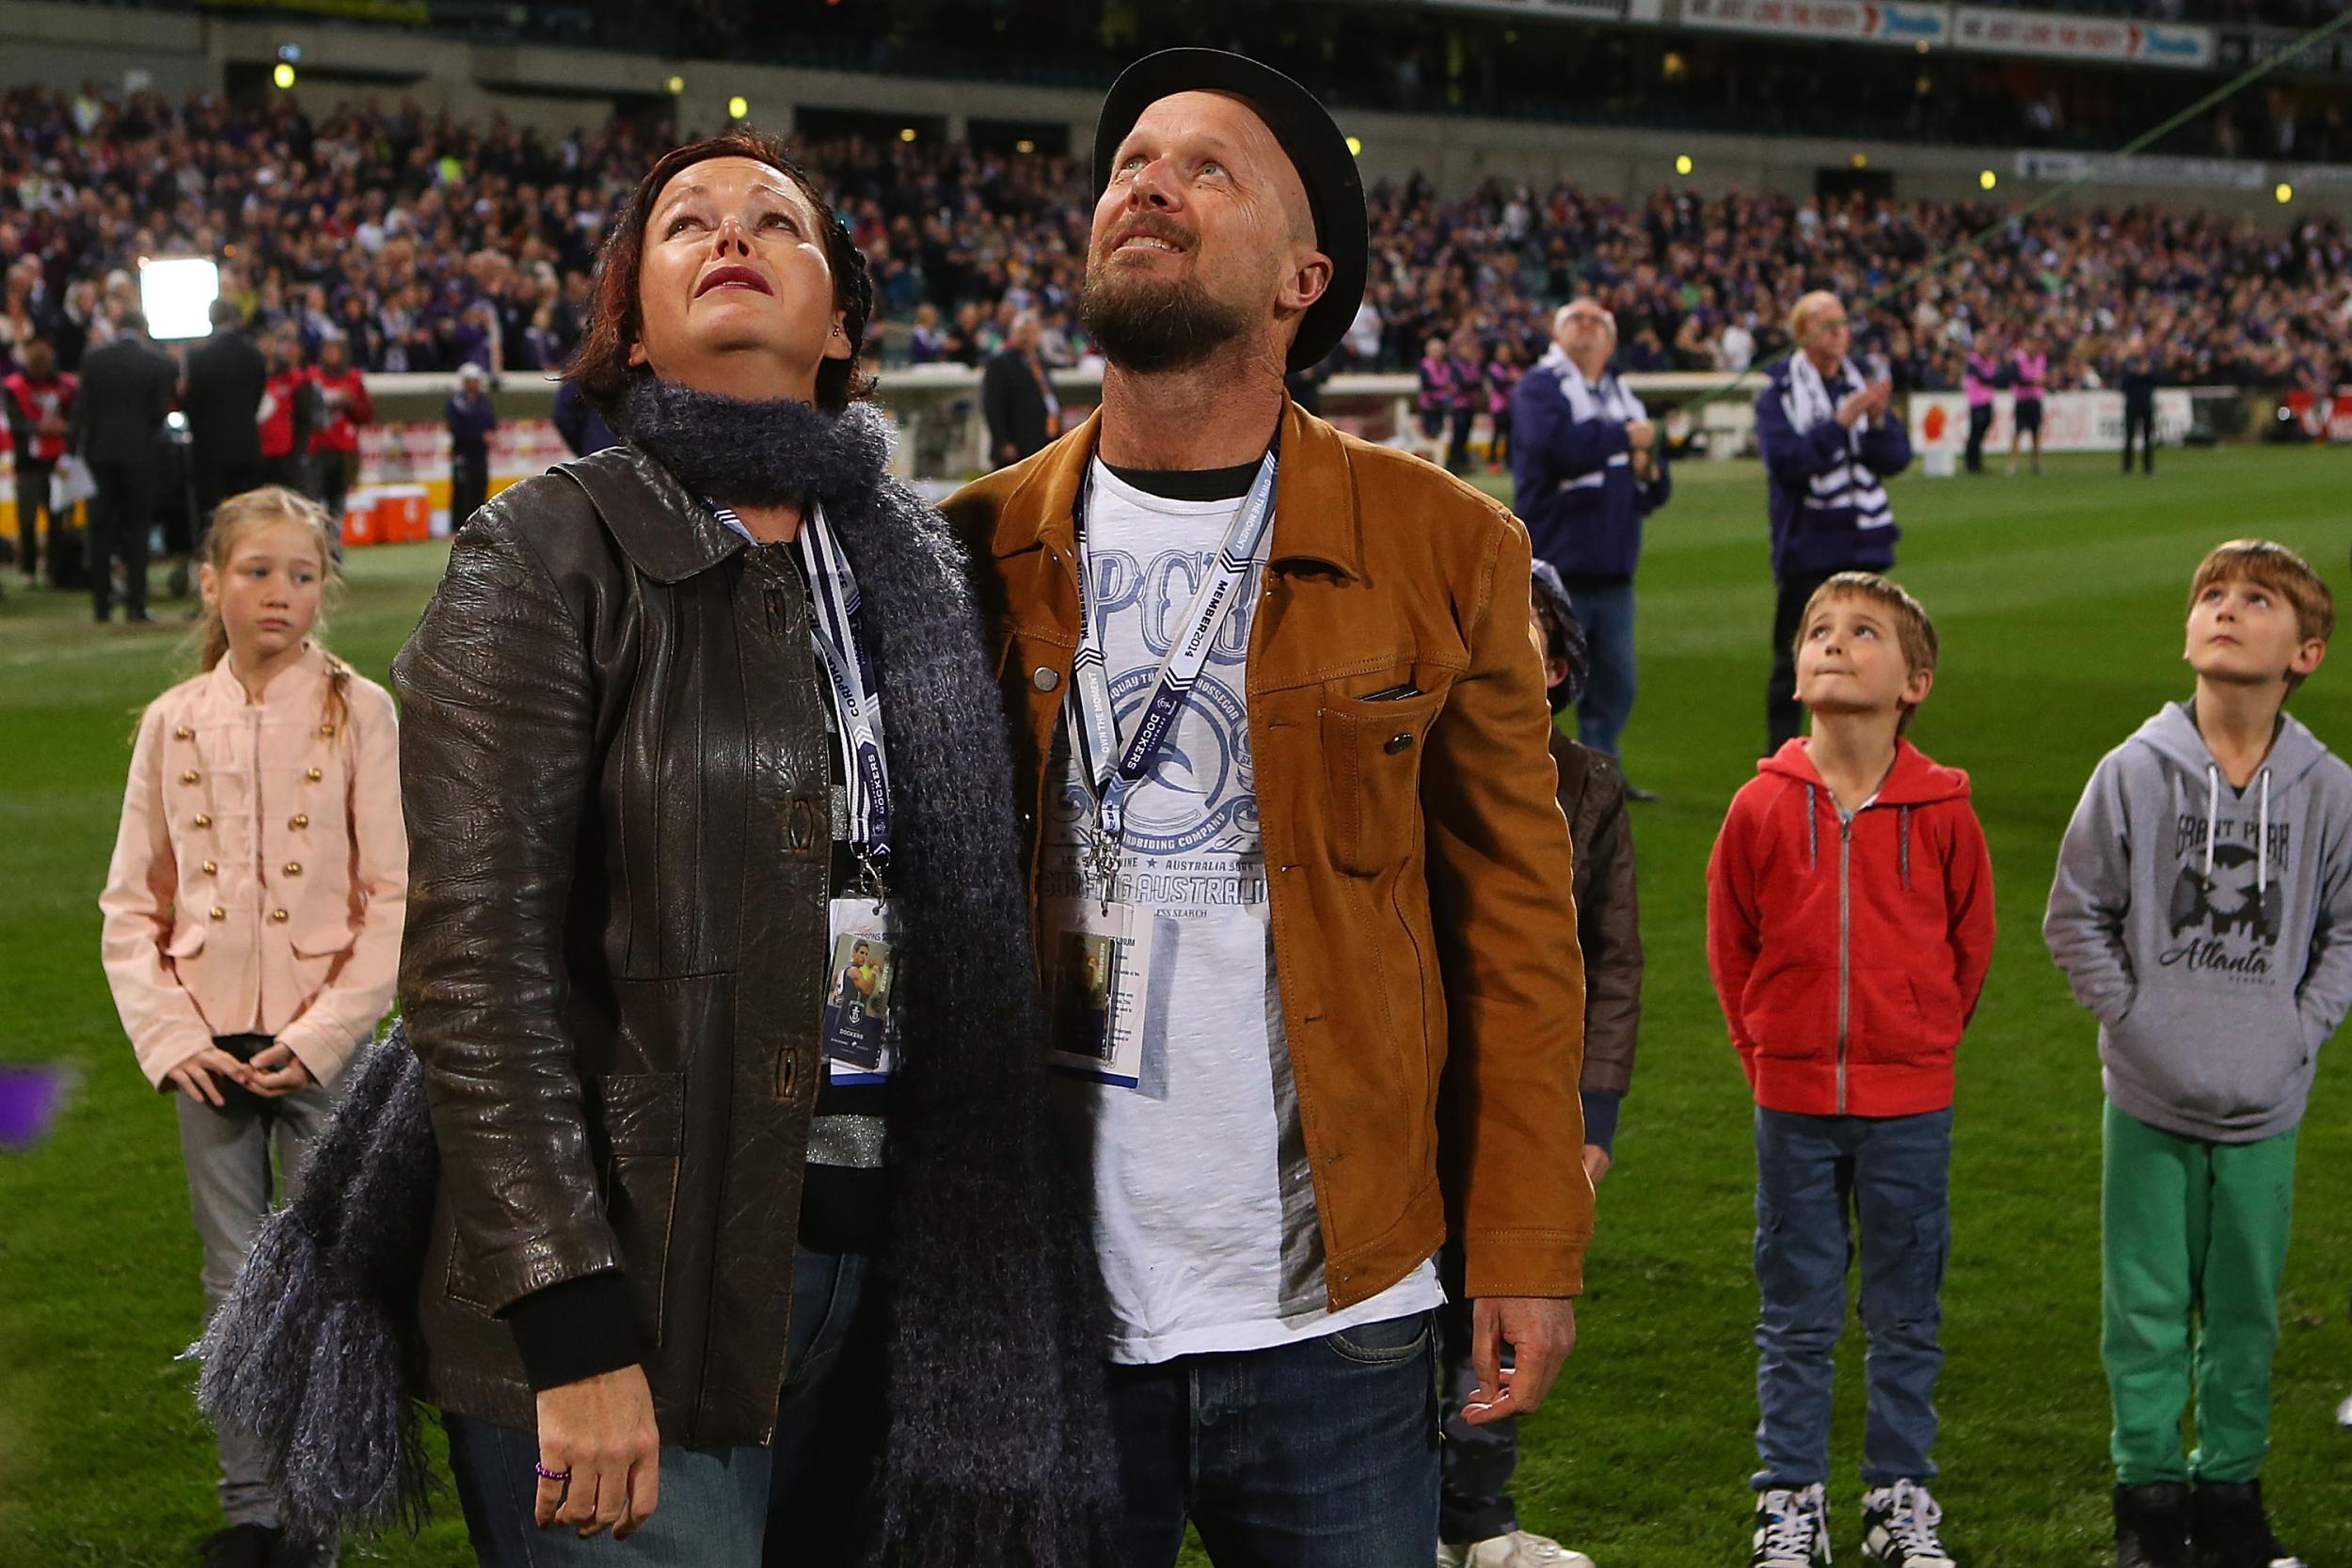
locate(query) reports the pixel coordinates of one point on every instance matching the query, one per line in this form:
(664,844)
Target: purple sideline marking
(30,1097)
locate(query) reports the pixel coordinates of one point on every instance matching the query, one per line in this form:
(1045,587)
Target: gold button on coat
(277,915)
(188,777)
(219,913)
(310,773)
(183,733)
(203,819)
(326,730)
(211,868)
(300,820)
(294,868)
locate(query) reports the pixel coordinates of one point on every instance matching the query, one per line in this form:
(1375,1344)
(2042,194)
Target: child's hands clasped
(276,1070)
(200,1076)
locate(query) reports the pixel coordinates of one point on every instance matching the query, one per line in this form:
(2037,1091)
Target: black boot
(2152,1526)
(2233,1529)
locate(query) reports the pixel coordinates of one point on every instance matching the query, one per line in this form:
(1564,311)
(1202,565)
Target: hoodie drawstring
(2262,845)
(1903,830)
(1812,828)
(2213,815)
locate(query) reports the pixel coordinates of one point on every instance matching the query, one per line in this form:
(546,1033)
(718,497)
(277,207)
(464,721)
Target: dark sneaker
(2232,1529)
(1899,1525)
(238,1547)
(2152,1526)
(1791,1529)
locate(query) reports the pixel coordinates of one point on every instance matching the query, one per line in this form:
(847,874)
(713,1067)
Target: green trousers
(2193,1240)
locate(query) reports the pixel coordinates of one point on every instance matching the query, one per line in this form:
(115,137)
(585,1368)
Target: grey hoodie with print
(2207,928)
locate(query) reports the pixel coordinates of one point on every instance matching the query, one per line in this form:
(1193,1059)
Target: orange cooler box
(403,515)
(360,518)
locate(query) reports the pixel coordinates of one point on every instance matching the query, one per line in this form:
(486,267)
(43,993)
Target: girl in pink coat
(253,906)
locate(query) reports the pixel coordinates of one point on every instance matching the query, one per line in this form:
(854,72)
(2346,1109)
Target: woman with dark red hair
(751,1222)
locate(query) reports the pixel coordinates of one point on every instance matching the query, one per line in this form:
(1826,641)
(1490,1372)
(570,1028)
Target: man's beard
(1147,324)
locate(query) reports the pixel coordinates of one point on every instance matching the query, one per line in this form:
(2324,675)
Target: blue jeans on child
(1818,1178)
(716,1504)
(1475,1465)
(1604,606)
(1320,1454)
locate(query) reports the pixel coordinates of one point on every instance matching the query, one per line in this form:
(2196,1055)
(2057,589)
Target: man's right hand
(1642,433)
(1852,406)
(601,1431)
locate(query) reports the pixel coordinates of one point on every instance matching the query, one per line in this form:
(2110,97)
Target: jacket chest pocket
(1372,754)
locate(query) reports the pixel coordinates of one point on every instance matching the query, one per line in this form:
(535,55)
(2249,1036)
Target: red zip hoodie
(1849,953)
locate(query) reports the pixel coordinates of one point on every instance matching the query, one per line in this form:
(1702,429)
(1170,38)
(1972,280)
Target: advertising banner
(1852,21)
(2071,421)
(2059,35)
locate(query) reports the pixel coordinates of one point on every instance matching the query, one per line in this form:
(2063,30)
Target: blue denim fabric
(1606,611)
(1475,1462)
(1322,1454)
(716,1505)
(1818,1178)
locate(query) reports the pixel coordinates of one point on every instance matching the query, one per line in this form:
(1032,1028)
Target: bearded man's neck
(1212,414)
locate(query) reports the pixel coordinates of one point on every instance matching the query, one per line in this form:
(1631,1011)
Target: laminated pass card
(1098,964)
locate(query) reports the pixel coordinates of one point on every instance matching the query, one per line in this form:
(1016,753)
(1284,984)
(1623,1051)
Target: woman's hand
(598,1435)
(197,1076)
(276,1070)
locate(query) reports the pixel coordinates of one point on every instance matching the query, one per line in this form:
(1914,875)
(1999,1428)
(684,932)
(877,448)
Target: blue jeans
(1606,611)
(1817,1179)
(1321,1454)
(718,1506)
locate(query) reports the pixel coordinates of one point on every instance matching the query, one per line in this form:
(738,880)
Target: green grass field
(2060,602)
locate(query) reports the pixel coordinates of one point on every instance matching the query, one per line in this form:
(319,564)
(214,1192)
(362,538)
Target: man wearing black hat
(1292,831)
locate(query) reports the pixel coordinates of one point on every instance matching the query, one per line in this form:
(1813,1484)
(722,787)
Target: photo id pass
(859,1026)
(1098,964)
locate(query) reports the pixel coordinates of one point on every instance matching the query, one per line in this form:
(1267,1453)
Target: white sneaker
(1524,1549)
(1898,1528)
(1451,1557)
(1791,1529)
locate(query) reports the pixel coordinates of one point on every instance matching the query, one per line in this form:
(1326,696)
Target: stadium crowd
(424,244)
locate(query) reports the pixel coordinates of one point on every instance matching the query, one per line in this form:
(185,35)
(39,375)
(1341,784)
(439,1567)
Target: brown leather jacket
(1418,864)
(1608,912)
(620,859)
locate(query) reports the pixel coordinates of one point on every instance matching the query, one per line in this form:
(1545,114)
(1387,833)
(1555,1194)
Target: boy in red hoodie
(1849,926)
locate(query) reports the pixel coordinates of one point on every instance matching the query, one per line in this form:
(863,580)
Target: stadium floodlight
(906,133)
(1860,160)
(1682,163)
(738,107)
(1025,145)
(1987,179)
(2285,193)
(676,85)
(176,294)
(283,75)
(1355,147)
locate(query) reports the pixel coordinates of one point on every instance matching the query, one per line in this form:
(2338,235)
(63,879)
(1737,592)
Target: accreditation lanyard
(834,606)
(1110,769)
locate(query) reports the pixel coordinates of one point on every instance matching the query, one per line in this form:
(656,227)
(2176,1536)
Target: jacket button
(1397,743)
(188,777)
(294,868)
(1044,677)
(277,916)
(313,774)
(183,733)
(299,820)
(203,819)
(327,730)
(219,913)
(211,868)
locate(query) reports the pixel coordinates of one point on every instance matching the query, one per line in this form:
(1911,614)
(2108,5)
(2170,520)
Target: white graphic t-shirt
(1205,1213)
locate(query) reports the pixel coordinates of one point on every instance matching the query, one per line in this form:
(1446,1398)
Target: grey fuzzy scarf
(998,1452)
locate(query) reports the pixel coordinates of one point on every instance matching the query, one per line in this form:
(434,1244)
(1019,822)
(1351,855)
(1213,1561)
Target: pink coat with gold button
(261,869)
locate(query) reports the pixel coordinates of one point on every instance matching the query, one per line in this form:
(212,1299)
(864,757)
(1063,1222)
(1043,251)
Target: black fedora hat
(1335,191)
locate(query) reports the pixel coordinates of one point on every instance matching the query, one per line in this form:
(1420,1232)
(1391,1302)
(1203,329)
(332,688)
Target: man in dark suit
(227,375)
(127,389)
(1016,398)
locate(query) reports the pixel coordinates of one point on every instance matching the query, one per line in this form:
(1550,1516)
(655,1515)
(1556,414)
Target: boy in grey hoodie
(2202,913)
